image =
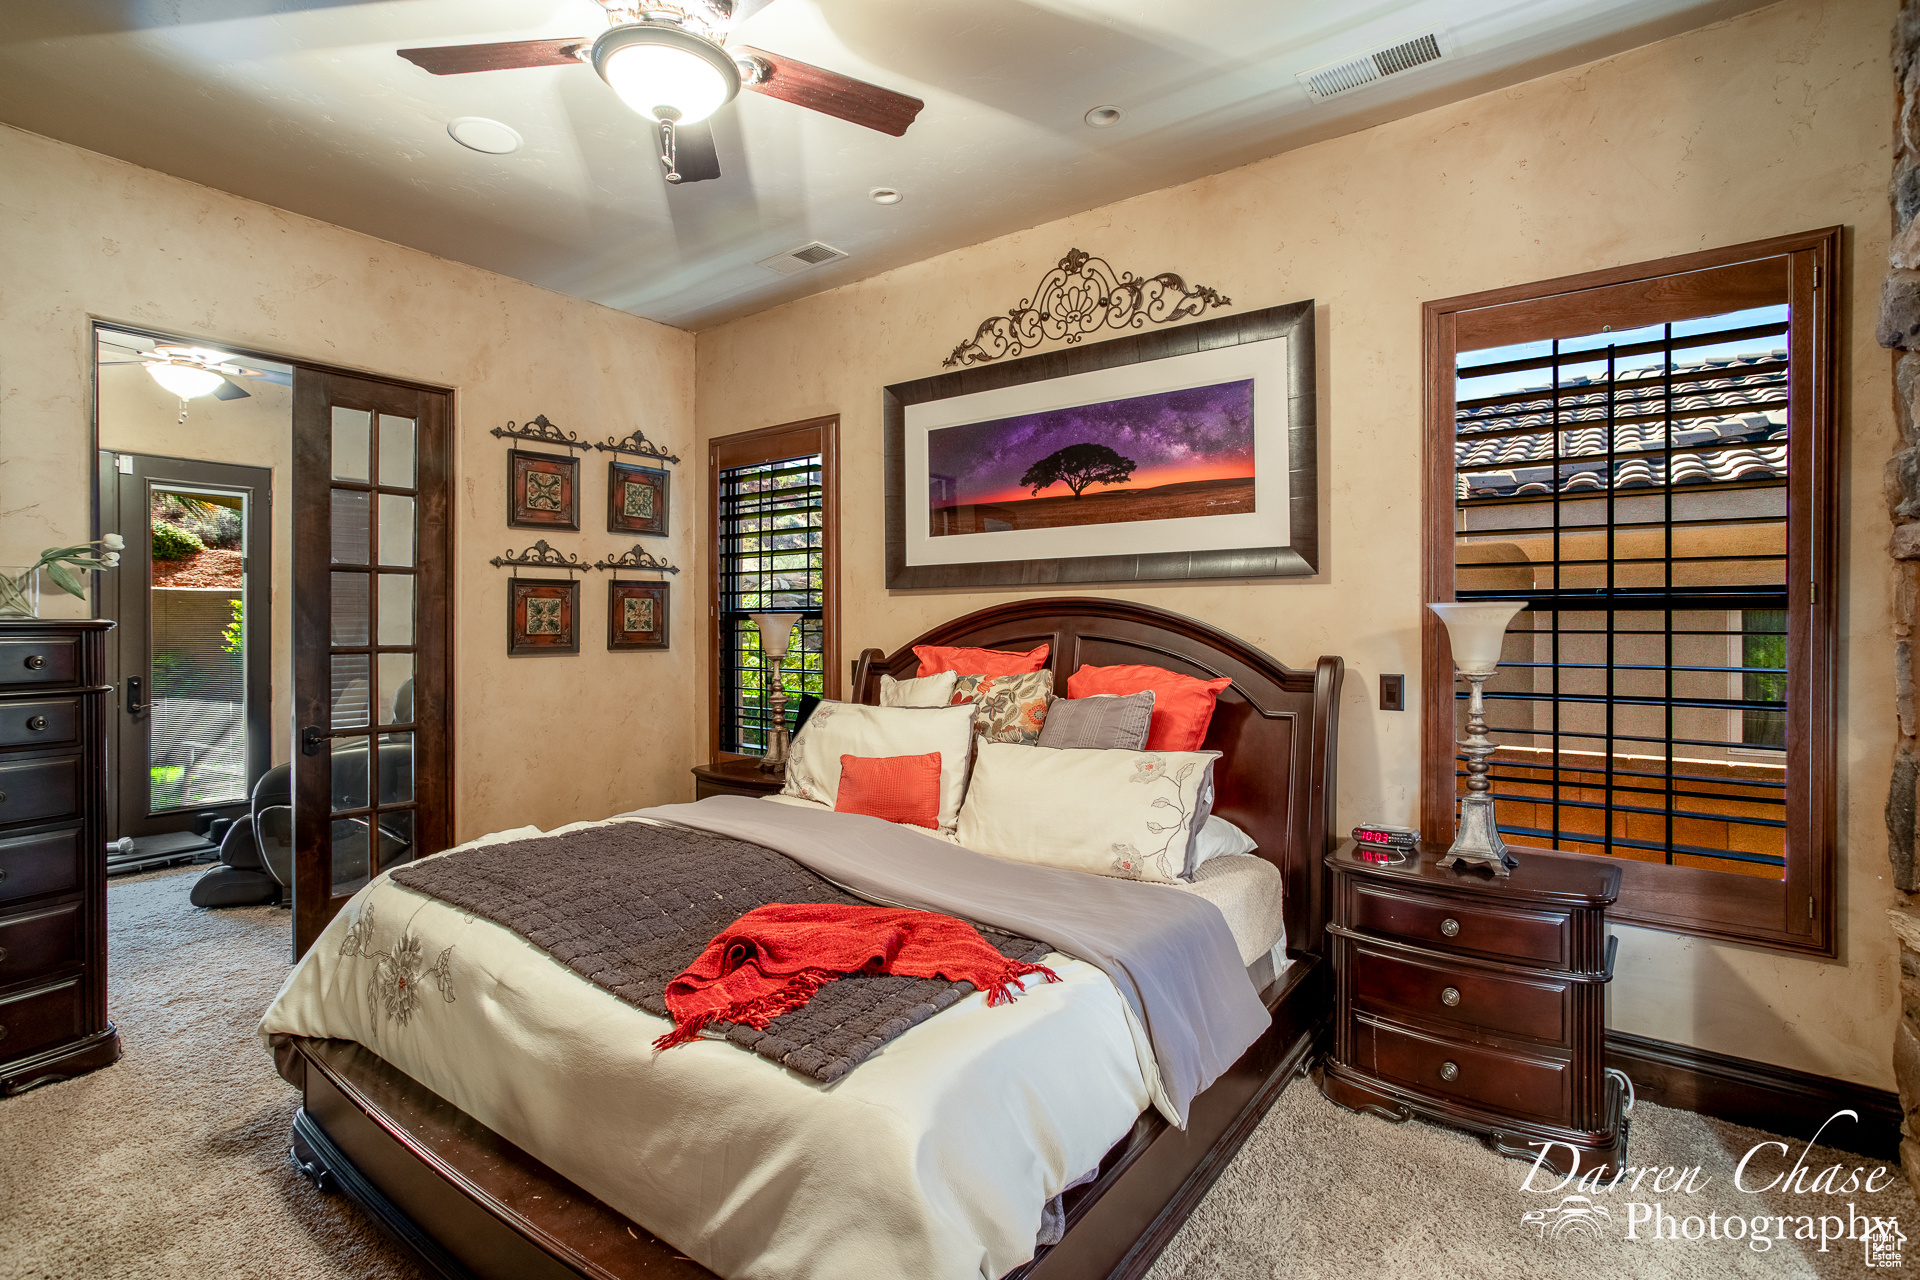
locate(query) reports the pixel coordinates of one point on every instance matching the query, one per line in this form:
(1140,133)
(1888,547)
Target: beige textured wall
(544,740)
(1774,122)
(138,415)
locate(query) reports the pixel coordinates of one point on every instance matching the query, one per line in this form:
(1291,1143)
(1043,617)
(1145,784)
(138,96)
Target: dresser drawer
(39,1020)
(36,865)
(54,660)
(1510,1083)
(1402,985)
(1538,937)
(40,790)
(41,943)
(51,722)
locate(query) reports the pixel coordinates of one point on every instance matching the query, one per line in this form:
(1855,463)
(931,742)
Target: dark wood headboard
(1276,727)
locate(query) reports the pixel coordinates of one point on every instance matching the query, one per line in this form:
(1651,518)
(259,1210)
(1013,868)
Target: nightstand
(735,778)
(1478,1001)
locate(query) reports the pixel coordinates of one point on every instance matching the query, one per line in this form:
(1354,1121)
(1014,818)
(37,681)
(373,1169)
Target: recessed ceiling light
(1104,117)
(482,134)
(885,195)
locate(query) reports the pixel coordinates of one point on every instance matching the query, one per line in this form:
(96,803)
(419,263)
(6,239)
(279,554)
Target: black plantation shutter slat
(772,554)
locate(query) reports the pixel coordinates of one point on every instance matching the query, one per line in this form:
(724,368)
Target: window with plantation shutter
(772,534)
(1646,458)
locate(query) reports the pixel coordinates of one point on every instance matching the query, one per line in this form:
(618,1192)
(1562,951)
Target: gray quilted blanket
(628,906)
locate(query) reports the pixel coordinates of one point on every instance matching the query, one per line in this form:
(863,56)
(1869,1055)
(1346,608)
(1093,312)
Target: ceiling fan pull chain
(667,150)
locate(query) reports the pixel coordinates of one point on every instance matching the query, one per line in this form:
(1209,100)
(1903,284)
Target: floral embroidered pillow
(1007,708)
(1111,813)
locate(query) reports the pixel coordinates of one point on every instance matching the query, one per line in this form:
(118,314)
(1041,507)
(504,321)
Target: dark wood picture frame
(521,591)
(1300,558)
(659,636)
(564,490)
(624,476)
(1797,914)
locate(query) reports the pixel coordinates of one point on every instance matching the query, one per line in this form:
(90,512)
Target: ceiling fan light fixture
(666,73)
(187,381)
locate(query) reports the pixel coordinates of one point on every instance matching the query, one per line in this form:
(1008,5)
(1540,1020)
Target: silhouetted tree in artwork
(1077,466)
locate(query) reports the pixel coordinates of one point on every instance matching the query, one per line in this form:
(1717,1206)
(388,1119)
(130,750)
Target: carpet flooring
(172,1163)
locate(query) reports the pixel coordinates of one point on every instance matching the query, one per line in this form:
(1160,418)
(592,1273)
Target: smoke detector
(1349,74)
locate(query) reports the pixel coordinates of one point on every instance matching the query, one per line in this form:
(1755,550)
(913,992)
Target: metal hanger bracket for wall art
(637,445)
(542,556)
(1082,295)
(543,431)
(638,558)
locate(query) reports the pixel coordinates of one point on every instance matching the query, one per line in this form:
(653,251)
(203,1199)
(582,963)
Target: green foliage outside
(171,542)
(236,631)
(169,786)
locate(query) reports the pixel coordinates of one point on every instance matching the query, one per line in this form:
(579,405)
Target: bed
(468,1202)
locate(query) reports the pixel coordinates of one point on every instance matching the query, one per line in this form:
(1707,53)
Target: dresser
(53,853)
(735,778)
(1478,1001)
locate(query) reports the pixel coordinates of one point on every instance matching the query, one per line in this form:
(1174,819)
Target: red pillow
(935,658)
(897,788)
(1182,705)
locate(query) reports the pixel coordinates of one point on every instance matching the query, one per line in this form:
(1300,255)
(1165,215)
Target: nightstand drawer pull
(3,955)
(1450,997)
(1450,927)
(37,724)
(35,662)
(1449,1071)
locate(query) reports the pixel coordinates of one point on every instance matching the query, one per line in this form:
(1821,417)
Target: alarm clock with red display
(1378,842)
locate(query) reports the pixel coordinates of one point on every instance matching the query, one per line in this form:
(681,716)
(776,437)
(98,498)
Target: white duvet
(931,1159)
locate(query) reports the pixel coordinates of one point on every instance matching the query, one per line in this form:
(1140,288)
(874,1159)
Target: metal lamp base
(1477,842)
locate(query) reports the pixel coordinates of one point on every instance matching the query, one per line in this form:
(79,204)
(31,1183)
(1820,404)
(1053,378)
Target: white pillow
(1111,813)
(838,729)
(927,691)
(1215,837)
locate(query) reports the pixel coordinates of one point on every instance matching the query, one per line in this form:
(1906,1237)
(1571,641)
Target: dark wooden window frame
(1797,913)
(770,444)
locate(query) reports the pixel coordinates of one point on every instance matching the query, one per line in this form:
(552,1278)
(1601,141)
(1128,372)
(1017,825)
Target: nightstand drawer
(1505,1082)
(1536,936)
(48,660)
(1401,985)
(31,1022)
(40,790)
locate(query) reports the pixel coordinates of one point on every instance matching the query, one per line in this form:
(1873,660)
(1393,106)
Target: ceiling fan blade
(694,157)
(231,390)
(511,55)
(833,94)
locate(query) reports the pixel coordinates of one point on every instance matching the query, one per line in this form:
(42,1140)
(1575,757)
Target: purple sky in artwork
(1201,433)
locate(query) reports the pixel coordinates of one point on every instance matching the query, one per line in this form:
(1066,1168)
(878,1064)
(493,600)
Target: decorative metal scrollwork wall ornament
(1082,295)
(543,431)
(638,446)
(542,556)
(638,558)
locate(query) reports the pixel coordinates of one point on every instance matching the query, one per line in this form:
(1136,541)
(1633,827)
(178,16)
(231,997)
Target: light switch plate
(1393,695)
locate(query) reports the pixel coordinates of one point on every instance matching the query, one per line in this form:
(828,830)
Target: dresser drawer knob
(37,724)
(35,662)
(1450,927)
(1450,997)
(1449,1071)
(3,874)
(3,955)
(3,1031)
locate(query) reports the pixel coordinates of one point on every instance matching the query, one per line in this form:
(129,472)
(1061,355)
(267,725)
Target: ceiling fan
(191,372)
(670,62)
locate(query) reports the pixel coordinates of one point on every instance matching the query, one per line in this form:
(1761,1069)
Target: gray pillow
(1104,722)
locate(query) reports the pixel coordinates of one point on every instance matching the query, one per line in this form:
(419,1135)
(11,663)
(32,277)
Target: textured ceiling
(302,104)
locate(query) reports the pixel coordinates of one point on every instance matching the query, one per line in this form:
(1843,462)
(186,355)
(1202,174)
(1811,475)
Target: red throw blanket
(771,960)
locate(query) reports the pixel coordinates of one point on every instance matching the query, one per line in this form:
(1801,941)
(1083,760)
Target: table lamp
(776,630)
(1476,632)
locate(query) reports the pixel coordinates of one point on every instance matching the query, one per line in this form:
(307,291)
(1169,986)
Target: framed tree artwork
(1186,452)
(636,615)
(543,490)
(543,616)
(636,499)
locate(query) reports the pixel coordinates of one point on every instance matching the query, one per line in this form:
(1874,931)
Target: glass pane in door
(197,730)
(396,451)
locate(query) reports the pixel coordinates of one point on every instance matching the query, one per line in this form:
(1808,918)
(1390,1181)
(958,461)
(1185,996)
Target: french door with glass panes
(372,636)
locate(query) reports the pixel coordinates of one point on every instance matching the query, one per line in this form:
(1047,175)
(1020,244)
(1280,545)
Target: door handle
(134,705)
(310,739)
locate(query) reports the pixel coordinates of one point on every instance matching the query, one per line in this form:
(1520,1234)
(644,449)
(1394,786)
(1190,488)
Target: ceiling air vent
(807,255)
(1345,76)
